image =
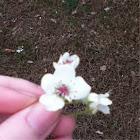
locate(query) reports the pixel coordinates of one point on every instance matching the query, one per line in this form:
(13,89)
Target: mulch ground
(101,32)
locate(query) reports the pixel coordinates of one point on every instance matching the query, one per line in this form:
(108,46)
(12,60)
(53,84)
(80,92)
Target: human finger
(63,138)
(12,101)
(3,117)
(65,126)
(21,85)
(33,122)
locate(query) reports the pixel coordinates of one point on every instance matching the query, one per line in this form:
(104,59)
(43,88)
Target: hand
(22,117)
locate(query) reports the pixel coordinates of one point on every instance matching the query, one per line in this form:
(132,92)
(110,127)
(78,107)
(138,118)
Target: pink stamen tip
(63,90)
(68,61)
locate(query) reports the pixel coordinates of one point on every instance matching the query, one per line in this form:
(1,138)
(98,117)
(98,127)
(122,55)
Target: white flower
(62,86)
(72,60)
(99,102)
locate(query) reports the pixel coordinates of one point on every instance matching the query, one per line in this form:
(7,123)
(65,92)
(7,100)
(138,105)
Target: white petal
(65,73)
(56,65)
(80,90)
(93,105)
(93,97)
(68,98)
(65,56)
(106,95)
(52,102)
(105,101)
(48,83)
(60,61)
(104,109)
(75,59)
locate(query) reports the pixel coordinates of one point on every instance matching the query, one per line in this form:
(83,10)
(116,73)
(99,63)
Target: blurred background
(104,33)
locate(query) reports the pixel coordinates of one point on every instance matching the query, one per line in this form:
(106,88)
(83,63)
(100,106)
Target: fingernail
(42,121)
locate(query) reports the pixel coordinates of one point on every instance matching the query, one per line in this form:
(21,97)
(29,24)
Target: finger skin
(16,94)
(65,126)
(32,123)
(3,117)
(21,85)
(12,101)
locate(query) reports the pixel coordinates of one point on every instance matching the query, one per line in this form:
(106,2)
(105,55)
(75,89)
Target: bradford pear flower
(99,102)
(62,86)
(72,60)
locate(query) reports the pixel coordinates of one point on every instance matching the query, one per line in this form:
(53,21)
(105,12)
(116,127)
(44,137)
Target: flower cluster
(63,86)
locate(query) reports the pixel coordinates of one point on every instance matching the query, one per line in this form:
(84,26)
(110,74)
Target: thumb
(33,122)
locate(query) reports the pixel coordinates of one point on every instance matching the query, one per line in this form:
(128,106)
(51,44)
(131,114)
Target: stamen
(68,62)
(63,90)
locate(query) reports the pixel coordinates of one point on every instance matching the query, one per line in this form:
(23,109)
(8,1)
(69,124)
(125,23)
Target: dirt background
(101,32)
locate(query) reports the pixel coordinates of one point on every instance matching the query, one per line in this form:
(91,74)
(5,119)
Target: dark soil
(48,28)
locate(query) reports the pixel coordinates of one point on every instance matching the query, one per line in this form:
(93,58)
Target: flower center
(63,90)
(68,62)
